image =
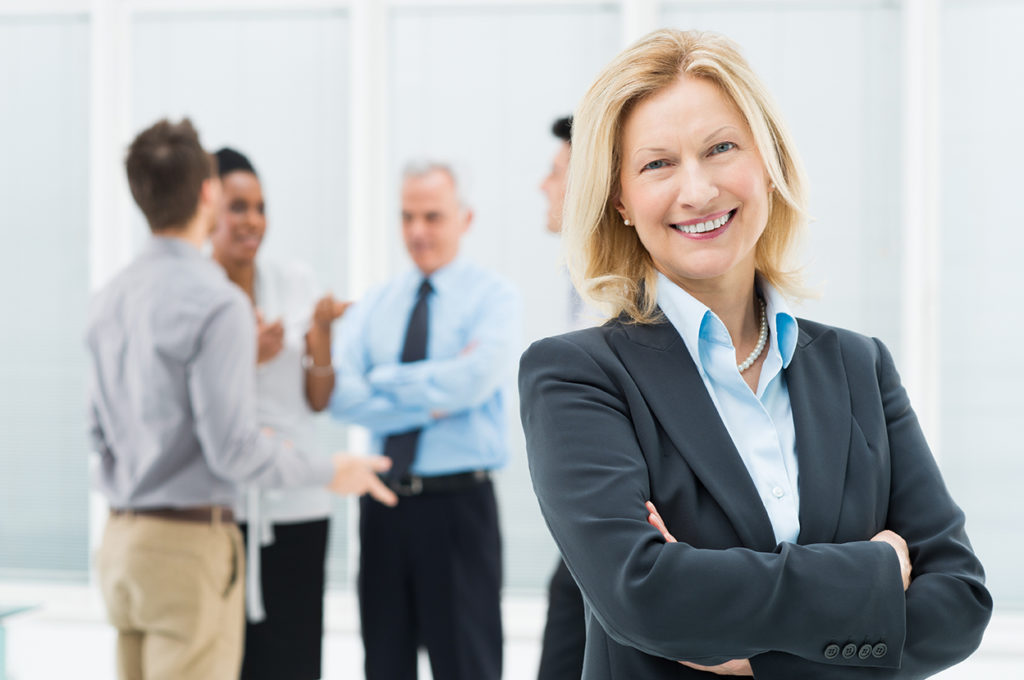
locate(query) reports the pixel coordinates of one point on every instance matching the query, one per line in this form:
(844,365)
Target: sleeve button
(879,650)
(864,652)
(832,651)
(849,651)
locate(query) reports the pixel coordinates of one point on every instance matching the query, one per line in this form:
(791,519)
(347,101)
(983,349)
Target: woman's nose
(697,186)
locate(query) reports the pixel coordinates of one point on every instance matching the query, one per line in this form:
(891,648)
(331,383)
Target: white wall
(982,243)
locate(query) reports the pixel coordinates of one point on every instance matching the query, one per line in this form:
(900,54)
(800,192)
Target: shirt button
(778,492)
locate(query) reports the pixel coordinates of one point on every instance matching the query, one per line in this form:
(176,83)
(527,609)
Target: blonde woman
(736,491)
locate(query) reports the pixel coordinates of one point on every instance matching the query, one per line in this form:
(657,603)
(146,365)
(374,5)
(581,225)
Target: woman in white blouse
(286,531)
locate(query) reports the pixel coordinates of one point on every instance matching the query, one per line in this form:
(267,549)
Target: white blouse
(287,292)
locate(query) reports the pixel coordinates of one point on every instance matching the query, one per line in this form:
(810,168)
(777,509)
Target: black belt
(414,485)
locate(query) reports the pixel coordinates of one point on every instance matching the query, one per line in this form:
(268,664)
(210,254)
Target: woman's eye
(655,165)
(722,147)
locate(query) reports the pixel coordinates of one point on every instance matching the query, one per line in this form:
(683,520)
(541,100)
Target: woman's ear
(622,212)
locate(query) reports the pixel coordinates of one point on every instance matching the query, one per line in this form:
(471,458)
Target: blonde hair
(608,263)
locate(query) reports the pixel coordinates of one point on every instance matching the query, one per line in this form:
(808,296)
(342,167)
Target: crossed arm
(395,397)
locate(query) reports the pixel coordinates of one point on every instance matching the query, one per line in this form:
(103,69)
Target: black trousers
(565,633)
(287,644)
(430,576)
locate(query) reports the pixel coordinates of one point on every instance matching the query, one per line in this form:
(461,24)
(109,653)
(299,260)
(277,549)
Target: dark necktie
(401,448)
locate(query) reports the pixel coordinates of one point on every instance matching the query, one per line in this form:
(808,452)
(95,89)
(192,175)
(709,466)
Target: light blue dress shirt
(472,347)
(761,425)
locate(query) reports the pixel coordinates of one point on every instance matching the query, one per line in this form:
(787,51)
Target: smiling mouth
(705,227)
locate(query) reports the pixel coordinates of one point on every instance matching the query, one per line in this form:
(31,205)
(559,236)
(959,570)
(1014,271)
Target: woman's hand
(900,546)
(655,520)
(270,338)
(327,311)
(734,667)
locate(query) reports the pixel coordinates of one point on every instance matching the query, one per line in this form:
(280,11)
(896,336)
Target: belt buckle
(413,488)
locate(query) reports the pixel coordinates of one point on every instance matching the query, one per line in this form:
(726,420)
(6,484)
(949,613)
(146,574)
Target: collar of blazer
(657,359)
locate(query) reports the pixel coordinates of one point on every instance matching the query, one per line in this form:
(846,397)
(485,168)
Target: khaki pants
(174,590)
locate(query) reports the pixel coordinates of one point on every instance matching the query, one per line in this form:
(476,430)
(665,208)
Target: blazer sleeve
(674,600)
(947,604)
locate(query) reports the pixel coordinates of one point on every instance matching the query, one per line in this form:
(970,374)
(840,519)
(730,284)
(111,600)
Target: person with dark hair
(285,530)
(565,631)
(553,185)
(172,415)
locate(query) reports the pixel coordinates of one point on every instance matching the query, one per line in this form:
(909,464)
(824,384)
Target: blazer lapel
(661,365)
(820,398)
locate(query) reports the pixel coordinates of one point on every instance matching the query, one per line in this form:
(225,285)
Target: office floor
(49,646)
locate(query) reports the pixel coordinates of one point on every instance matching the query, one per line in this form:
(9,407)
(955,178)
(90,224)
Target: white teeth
(702,227)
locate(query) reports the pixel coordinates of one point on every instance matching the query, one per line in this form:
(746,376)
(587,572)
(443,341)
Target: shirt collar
(781,322)
(170,245)
(442,280)
(692,319)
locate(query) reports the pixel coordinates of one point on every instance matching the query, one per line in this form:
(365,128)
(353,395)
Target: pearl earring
(626,222)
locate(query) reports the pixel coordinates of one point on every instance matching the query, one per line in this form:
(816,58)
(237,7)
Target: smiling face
(242,222)
(694,186)
(433,220)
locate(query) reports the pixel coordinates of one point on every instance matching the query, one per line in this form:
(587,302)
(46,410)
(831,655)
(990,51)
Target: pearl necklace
(762,339)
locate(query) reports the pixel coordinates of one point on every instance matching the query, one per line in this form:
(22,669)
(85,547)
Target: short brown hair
(166,168)
(608,263)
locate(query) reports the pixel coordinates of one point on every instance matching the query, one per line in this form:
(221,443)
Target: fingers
(379,463)
(328,310)
(340,307)
(735,667)
(380,492)
(358,475)
(655,520)
(902,552)
(273,328)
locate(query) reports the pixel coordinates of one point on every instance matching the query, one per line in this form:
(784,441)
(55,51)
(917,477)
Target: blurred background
(906,112)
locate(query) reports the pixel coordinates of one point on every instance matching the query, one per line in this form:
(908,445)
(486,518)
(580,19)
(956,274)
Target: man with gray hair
(423,363)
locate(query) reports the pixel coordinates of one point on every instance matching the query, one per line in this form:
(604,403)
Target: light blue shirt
(761,425)
(457,394)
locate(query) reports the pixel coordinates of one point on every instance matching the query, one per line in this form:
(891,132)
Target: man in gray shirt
(172,413)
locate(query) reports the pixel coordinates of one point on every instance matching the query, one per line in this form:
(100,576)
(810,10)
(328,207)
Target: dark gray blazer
(618,415)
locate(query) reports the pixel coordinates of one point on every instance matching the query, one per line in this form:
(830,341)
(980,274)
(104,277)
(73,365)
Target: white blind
(981,318)
(44,279)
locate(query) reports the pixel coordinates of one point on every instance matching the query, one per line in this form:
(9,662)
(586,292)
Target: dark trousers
(430,575)
(287,644)
(565,633)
